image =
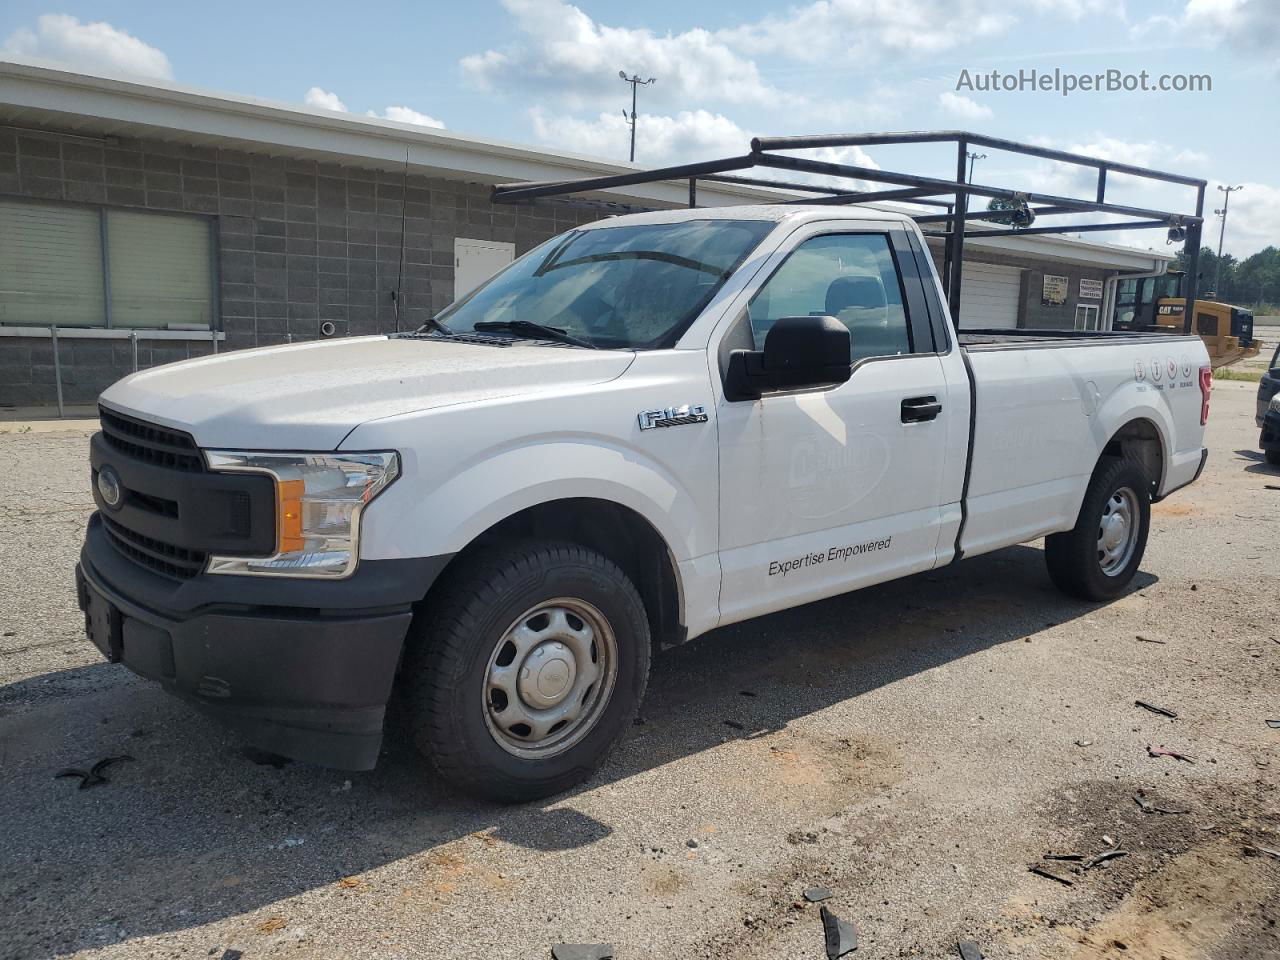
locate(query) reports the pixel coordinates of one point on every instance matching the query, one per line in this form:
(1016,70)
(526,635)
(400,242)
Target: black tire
(446,694)
(1073,557)
(1273,456)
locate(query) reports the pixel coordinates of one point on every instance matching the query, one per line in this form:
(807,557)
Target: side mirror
(798,352)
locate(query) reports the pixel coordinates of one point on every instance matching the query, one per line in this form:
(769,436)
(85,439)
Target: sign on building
(1090,289)
(1054,293)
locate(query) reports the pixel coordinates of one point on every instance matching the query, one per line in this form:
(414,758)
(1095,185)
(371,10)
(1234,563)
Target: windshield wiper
(536,331)
(433,324)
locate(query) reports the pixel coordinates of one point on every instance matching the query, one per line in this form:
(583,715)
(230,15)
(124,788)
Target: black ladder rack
(953,195)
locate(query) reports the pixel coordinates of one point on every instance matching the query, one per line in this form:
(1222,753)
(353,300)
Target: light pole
(1222,230)
(973,158)
(635,82)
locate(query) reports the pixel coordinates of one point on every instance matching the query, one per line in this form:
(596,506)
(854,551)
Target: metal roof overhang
(45,97)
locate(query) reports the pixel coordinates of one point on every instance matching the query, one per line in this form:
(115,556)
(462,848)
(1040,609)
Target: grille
(150,444)
(156,555)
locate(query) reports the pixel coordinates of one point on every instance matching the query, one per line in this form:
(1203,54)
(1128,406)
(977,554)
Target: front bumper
(302,668)
(1270,438)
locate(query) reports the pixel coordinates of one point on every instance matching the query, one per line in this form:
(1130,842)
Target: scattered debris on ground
(1148,639)
(969,950)
(92,777)
(1103,858)
(817,894)
(841,936)
(1162,751)
(1251,850)
(1040,871)
(1163,711)
(582,951)
(1146,806)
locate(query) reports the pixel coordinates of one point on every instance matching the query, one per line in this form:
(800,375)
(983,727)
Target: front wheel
(1096,559)
(1273,456)
(529,665)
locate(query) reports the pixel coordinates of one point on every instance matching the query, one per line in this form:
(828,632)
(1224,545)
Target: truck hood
(309,396)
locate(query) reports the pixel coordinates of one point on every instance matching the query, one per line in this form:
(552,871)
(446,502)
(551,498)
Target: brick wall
(298,242)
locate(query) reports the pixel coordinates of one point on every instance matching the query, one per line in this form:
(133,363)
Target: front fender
(539,470)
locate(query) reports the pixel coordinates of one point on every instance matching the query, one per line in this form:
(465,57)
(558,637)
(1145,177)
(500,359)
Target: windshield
(629,287)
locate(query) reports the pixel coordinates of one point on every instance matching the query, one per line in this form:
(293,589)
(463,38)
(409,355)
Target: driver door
(827,489)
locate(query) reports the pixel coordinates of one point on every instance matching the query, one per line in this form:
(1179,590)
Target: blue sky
(545,71)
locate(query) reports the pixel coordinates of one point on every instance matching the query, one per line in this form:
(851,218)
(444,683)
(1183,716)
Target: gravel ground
(914,747)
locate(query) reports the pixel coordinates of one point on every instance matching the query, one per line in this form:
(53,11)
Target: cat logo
(673,416)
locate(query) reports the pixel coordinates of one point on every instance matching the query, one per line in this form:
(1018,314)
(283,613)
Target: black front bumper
(1270,438)
(303,668)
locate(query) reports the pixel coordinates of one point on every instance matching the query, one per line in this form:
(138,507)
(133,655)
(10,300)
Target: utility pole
(1222,231)
(635,82)
(973,158)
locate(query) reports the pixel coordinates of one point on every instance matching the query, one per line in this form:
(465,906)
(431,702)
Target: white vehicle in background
(646,428)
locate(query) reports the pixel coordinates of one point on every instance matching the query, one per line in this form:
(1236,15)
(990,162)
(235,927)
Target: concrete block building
(142,224)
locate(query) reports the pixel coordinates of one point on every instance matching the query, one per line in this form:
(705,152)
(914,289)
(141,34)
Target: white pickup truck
(644,429)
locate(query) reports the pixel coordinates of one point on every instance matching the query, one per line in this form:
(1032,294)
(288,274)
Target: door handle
(920,409)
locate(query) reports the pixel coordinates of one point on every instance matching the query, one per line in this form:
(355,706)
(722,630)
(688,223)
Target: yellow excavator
(1154,303)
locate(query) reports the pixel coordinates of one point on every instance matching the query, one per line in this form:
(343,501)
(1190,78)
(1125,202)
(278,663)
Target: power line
(635,82)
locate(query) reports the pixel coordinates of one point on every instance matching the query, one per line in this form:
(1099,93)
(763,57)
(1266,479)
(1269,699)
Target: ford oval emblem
(110,488)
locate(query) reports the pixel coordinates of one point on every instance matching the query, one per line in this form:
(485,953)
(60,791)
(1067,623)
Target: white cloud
(1251,26)
(868,29)
(962,106)
(324,100)
(327,100)
(1254,221)
(688,135)
(566,52)
(407,115)
(683,137)
(88,46)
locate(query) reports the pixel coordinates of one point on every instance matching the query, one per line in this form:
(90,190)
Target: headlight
(319,497)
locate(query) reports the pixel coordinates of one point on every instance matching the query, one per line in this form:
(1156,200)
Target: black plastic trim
(1204,458)
(958,553)
(376,585)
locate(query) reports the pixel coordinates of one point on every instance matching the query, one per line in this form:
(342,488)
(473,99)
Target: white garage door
(989,296)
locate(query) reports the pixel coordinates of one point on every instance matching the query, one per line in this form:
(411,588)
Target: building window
(71,266)
(1086,316)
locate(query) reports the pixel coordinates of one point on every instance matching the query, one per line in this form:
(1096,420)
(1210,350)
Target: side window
(850,276)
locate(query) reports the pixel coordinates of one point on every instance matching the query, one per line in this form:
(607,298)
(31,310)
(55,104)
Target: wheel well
(1140,440)
(615,531)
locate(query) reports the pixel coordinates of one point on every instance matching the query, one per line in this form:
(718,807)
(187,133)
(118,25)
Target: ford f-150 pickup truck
(644,429)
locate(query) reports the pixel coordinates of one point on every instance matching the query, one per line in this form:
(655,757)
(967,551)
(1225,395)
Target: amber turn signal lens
(289,514)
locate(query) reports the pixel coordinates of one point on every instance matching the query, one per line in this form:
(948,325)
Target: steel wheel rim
(549,678)
(1118,531)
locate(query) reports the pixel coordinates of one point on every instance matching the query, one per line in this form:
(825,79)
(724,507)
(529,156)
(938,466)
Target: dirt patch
(819,775)
(1185,891)
(1202,904)
(1174,508)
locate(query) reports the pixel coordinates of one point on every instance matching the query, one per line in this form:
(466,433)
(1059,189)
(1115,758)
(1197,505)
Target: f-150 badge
(673,416)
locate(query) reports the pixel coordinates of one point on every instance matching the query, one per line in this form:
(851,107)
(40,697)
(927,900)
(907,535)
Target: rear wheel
(527,668)
(1096,559)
